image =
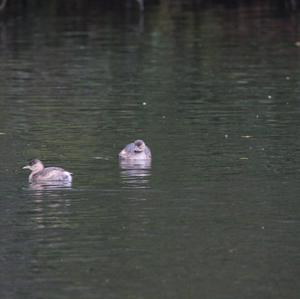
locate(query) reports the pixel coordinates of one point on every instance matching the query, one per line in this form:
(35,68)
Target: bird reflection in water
(50,186)
(135,173)
(51,204)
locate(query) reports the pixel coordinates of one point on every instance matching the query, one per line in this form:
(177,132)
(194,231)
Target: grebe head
(34,165)
(139,146)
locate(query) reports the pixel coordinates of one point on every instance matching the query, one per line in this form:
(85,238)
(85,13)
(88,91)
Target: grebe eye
(138,143)
(32,162)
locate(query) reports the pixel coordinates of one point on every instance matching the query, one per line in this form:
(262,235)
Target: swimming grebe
(137,150)
(40,174)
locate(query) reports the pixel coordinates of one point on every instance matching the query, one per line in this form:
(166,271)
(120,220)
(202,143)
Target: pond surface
(214,93)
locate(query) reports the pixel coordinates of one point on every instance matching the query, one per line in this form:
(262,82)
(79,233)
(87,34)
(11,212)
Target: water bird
(42,174)
(136,150)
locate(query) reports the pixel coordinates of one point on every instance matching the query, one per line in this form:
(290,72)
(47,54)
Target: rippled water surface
(214,93)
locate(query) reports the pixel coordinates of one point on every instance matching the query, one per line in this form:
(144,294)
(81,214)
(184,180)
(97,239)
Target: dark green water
(214,93)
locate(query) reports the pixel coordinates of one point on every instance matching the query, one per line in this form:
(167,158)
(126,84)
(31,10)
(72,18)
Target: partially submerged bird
(137,150)
(40,174)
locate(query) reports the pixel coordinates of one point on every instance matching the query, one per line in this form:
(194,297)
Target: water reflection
(50,204)
(50,186)
(50,189)
(135,173)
